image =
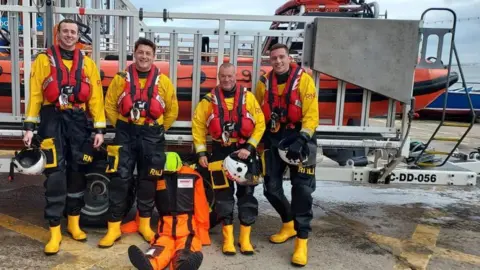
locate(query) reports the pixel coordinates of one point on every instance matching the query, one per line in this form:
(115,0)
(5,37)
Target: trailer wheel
(94,213)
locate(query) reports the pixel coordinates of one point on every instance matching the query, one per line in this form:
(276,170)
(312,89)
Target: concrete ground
(354,227)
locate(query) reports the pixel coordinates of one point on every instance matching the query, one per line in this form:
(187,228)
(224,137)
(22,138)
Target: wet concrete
(354,227)
(347,220)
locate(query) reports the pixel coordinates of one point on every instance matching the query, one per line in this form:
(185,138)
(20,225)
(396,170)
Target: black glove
(100,131)
(29,126)
(295,148)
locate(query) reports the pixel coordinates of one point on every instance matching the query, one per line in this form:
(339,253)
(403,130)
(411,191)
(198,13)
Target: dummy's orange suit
(183,223)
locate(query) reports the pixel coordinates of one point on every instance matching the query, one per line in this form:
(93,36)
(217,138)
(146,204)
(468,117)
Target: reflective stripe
(160,99)
(200,148)
(76,195)
(32,119)
(298,103)
(252,141)
(307,130)
(249,116)
(47,82)
(99,124)
(121,98)
(210,118)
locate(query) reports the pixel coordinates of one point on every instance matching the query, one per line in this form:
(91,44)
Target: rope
(458,20)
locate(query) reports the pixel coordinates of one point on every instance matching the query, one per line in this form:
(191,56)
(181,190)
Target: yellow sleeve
(96,102)
(169,96)
(260,90)
(309,98)
(199,123)
(254,109)
(40,70)
(115,89)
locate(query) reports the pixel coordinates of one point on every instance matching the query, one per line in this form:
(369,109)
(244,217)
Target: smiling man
(63,82)
(234,120)
(289,102)
(141,103)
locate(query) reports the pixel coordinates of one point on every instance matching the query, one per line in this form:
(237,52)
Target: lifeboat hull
(429,84)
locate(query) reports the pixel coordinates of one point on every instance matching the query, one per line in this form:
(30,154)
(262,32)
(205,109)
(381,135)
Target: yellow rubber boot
(113,234)
(145,230)
(300,254)
(246,247)
(74,230)
(286,232)
(53,245)
(228,240)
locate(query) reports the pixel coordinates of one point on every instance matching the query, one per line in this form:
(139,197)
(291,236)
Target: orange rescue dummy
(183,220)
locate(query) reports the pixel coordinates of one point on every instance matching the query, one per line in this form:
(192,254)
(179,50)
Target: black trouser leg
(51,127)
(77,135)
(273,184)
(225,189)
(152,143)
(247,205)
(303,185)
(121,180)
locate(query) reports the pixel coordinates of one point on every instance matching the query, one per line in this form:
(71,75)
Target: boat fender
(203,77)
(140,14)
(164,15)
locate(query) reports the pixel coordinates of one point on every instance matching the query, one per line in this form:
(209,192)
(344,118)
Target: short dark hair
(279,46)
(66,21)
(226,65)
(145,41)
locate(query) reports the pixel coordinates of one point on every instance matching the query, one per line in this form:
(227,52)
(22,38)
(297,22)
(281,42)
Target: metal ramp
(438,64)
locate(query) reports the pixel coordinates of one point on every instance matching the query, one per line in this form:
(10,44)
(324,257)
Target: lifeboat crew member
(289,102)
(63,83)
(183,219)
(141,103)
(234,120)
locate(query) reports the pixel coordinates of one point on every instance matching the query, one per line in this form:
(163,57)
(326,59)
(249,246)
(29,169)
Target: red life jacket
(242,121)
(133,94)
(289,103)
(60,78)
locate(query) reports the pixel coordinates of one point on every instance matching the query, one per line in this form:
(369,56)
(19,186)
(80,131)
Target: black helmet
(308,154)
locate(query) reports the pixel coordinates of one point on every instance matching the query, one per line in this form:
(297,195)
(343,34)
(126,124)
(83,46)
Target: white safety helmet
(30,161)
(244,172)
(307,154)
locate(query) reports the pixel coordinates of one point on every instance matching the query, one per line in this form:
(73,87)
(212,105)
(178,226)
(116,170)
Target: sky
(467,33)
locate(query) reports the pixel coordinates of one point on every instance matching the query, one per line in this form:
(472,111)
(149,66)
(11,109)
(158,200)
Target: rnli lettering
(309,171)
(155,172)
(185,183)
(310,96)
(87,158)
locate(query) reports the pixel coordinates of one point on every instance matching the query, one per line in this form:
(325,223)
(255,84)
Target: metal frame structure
(393,140)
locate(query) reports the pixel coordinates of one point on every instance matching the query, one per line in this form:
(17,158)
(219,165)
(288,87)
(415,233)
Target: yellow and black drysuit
(290,104)
(63,84)
(183,219)
(141,106)
(235,120)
